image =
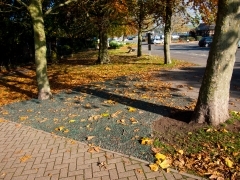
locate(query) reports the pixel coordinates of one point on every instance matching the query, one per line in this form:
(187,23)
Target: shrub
(199,37)
(115,45)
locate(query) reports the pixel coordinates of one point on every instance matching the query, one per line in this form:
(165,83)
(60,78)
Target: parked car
(205,41)
(158,41)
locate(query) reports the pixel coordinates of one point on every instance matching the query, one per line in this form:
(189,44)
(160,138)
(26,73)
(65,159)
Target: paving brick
(153,175)
(100,173)
(126,174)
(88,173)
(23,177)
(113,174)
(115,160)
(75,173)
(55,177)
(132,167)
(120,167)
(64,172)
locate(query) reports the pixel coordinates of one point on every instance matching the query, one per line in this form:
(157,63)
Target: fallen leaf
(59,128)
(153,167)
(160,156)
(228,162)
(71,121)
(121,121)
(90,138)
(146,141)
(140,171)
(25,158)
(165,164)
(66,131)
(180,152)
(105,114)
(131,109)
(108,129)
(133,120)
(23,118)
(114,115)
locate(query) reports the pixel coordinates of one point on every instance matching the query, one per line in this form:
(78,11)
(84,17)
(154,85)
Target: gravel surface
(114,114)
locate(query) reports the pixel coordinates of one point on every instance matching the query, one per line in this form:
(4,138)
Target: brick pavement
(28,153)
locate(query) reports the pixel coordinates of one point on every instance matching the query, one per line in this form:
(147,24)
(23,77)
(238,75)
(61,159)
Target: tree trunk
(103,57)
(139,47)
(167,34)
(35,9)
(212,105)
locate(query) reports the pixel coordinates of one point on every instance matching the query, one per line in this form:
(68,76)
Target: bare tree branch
(58,6)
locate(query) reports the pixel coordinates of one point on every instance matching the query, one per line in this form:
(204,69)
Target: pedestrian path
(30,154)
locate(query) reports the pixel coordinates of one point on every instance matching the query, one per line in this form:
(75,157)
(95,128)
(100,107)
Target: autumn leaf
(23,118)
(121,121)
(25,158)
(180,152)
(114,115)
(90,138)
(71,121)
(160,156)
(133,120)
(165,164)
(228,162)
(108,129)
(146,141)
(109,102)
(105,114)
(153,167)
(131,109)
(66,131)
(59,128)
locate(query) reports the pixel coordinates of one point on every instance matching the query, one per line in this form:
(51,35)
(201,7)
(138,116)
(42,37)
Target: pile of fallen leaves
(210,152)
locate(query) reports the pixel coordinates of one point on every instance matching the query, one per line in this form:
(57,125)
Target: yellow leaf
(133,120)
(165,164)
(23,118)
(105,114)
(66,131)
(131,109)
(108,129)
(90,138)
(59,128)
(71,121)
(160,156)
(153,167)
(224,130)
(180,152)
(146,141)
(228,162)
(25,158)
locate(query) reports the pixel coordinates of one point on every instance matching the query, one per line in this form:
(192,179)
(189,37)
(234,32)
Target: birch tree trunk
(167,34)
(35,9)
(213,100)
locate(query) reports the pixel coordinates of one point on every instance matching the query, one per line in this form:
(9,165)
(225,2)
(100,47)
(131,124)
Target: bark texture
(167,34)
(103,56)
(35,9)
(139,47)
(213,100)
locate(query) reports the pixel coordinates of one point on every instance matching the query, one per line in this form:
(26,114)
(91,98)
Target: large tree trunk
(139,46)
(213,101)
(167,34)
(103,56)
(35,9)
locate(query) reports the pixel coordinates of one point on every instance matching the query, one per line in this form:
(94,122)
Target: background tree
(212,105)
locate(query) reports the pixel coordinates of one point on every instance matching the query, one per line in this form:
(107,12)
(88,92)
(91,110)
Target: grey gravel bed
(106,114)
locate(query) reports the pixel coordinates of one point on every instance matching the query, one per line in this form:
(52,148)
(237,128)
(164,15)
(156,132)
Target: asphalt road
(190,52)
